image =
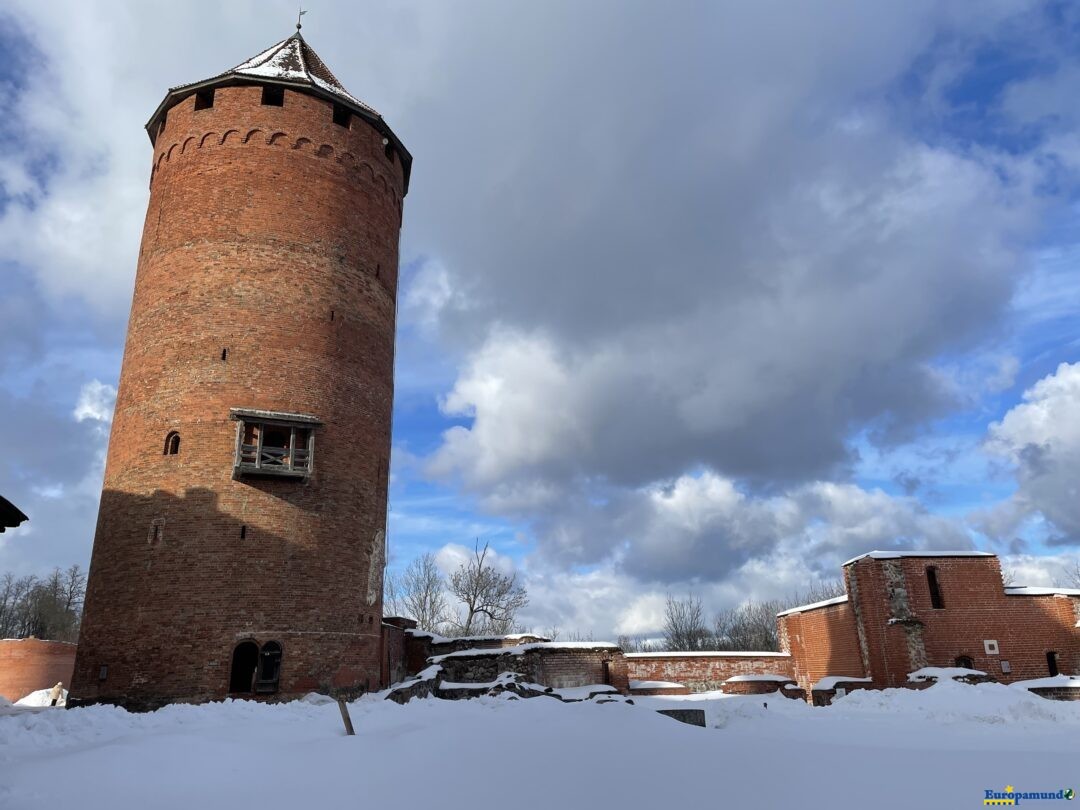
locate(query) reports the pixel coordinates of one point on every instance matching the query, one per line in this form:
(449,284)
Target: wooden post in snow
(345,718)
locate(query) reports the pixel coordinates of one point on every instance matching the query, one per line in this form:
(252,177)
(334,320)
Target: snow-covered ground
(940,747)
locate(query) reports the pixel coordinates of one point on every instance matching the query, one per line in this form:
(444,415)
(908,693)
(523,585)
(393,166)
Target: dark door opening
(245,659)
(269,668)
(1051,663)
(964,661)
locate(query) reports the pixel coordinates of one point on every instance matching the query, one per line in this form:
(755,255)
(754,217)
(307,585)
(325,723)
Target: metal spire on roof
(298,16)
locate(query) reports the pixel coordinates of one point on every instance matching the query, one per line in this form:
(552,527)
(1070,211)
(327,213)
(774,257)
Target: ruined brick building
(240,540)
(902,613)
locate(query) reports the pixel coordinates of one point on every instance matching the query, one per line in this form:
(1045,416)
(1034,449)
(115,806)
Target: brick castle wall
(266,279)
(30,664)
(703,672)
(421,645)
(558,667)
(822,641)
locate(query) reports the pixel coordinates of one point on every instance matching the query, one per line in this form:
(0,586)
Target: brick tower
(240,539)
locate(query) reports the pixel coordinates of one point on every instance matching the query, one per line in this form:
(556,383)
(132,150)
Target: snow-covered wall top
(709,654)
(836,600)
(524,648)
(1029,590)
(895,555)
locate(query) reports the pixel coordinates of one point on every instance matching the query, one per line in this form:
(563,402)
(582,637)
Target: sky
(702,297)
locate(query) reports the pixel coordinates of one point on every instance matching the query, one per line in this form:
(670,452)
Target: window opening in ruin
(204,99)
(607,672)
(269,668)
(331,314)
(342,116)
(378,271)
(1052,663)
(245,659)
(275,446)
(224,355)
(103,673)
(964,661)
(243,532)
(273,96)
(172,444)
(935,589)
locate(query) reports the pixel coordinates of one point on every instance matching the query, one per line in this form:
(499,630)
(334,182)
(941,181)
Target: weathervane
(298,16)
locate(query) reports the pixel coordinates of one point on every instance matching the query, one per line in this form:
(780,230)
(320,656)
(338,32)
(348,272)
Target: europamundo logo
(1011,796)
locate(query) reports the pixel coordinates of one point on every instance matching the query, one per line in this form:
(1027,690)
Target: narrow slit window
(936,601)
(388,150)
(243,532)
(1052,663)
(224,355)
(342,116)
(204,99)
(172,444)
(273,96)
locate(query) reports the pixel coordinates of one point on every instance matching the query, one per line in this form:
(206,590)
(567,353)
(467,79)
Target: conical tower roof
(292,63)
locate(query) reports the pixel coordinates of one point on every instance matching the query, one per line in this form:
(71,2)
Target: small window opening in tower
(936,601)
(172,443)
(269,668)
(1052,663)
(204,99)
(103,673)
(964,662)
(388,150)
(245,659)
(331,314)
(378,271)
(243,532)
(273,96)
(224,355)
(342,116)
(161,126)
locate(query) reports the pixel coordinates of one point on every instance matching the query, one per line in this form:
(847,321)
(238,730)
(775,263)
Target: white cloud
(1040,438)
(96,402)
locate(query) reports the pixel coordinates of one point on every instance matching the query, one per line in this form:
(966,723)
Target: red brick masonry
(30,664)
(705,671)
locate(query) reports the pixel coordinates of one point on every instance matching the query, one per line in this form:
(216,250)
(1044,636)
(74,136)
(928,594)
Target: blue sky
(702,297)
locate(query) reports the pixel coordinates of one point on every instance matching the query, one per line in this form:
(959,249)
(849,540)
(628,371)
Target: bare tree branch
(490,600)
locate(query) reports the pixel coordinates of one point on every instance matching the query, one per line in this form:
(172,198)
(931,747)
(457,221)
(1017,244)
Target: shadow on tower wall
(176,583)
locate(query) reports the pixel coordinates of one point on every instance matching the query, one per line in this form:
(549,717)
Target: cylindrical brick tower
(240,539)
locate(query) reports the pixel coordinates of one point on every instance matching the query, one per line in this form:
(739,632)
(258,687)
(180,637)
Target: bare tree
(423,593)
(489,599)
(684,624)
(636,644)
(751,626)
(1072,574)
(49,608)
(1008,577)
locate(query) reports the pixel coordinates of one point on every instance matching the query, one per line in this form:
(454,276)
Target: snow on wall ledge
(707,671)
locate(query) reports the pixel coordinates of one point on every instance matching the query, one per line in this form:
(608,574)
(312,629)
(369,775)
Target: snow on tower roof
(292,60)
(894,555)
(292,63)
